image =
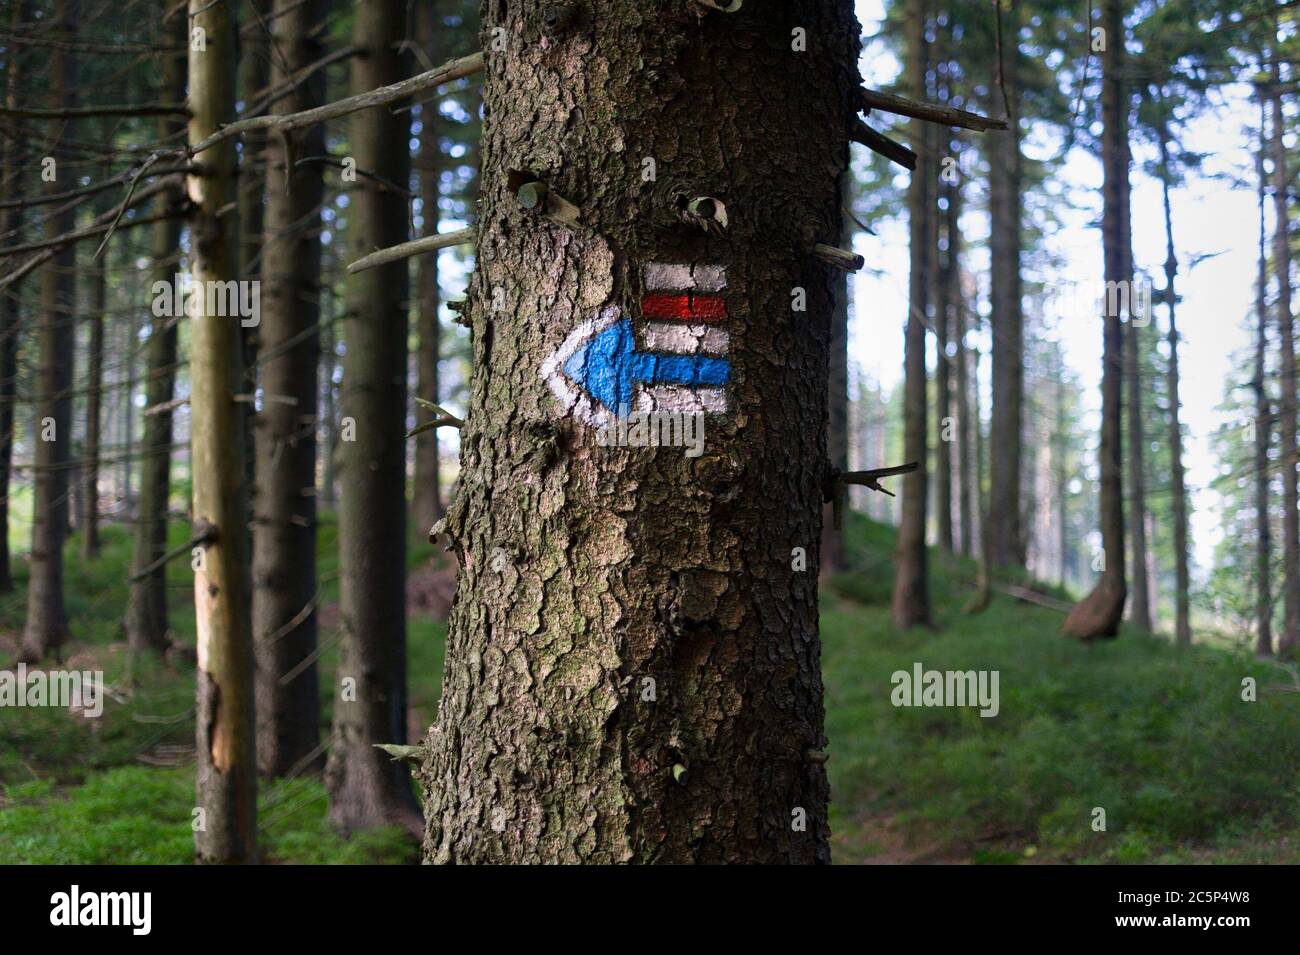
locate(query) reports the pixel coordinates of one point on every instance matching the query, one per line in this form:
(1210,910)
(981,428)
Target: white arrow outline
(576,400)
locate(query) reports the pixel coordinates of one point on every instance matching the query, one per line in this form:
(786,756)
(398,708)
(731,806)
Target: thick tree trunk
(1263,425)
(910,605)
(284,541)
(226,770)
(47,623)
(366,787)
(426,499)
(11,157)
(1178,481)
(1290,636)
(617,607)
(1006,534)
(1099,613)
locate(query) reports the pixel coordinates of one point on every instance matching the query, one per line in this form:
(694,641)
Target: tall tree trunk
(596,580)
(1006,534)
(910,605)
(945,277)
(1099,613)
(47,622)
(1140,609)
(1263,423)
(97,280)
(1182,581)
(366,787)
(1290,635)
(328,364)
(426,498)
(146,611)
(958,311)
(226,770)
(11,157)
(284,543)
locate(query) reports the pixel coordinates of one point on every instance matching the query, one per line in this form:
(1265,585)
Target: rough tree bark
(47,623)
(1290,635)
(1263,423)
(1006,426)
(146,611)
(1099,613)
(284,539)
(633,665)
(910,605)
(226,765)
(426,499)
(366,787)
(837,397)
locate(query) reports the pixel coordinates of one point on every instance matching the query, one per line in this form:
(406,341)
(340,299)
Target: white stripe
(709,278)
(662,277)
(685,339)
(680,398)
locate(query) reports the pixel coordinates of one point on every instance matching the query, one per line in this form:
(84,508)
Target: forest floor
(1160,739)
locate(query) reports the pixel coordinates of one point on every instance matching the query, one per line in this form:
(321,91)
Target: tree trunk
(945,279)
(910,605)
(426,500)
(616,606)
(284,544)
(958,312)
(1140,609)
(1099,613)
(1290,635)
(1006,535)
(146,611)
(1263,425)
(226,770)
(97,279)
(11,157)
(366,787)
(47,623)
(1182,582)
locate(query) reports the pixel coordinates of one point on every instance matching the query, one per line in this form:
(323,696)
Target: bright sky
(1217,296)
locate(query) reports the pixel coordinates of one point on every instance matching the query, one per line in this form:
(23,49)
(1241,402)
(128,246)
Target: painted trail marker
(670,358)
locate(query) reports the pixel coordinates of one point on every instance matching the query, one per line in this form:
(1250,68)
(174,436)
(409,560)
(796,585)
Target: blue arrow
(607,365)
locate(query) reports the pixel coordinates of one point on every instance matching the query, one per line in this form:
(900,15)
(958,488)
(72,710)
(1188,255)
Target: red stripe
(684,308)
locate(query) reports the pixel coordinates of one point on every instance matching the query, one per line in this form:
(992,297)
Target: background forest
(1084,450)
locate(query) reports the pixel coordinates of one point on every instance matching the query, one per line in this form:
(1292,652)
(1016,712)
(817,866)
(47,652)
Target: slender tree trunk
(945,278)
(1290,635)
(1006,541)
(146,611)
(598,580)
(226,770)
(1099,613)
(910,605)
(366,787)
(328,365)
(964,464)
(1140,609)
(284,544)
(1263,425)
(11,157)
(983,592)
(47,623)
(426,500)
(1061,476)
(1182,581)
(97,279)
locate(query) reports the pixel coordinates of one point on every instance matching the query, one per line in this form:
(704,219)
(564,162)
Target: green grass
(77,790)
(1160,739)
